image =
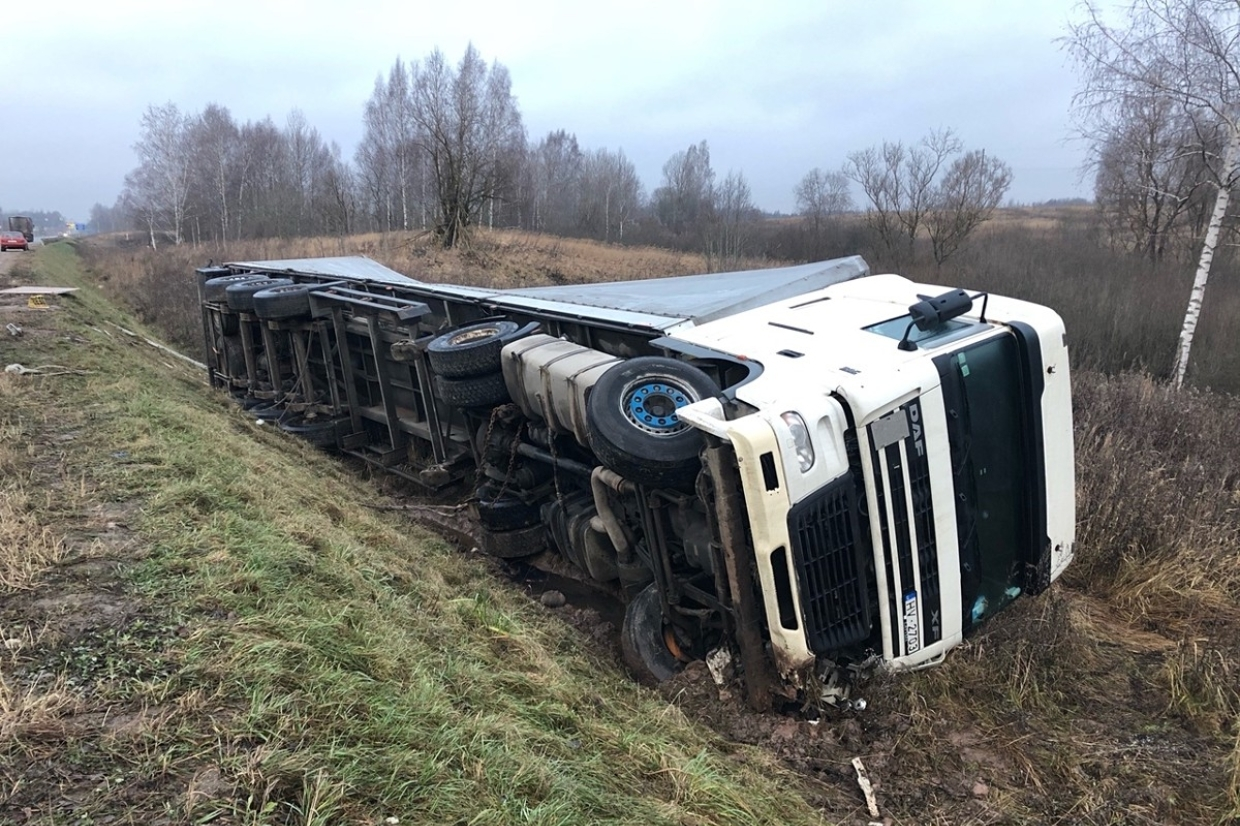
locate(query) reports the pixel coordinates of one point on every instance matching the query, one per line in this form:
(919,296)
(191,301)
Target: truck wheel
(214,289)
(288,301)
(514,544)
(498,512)
(634,429)
(481,391)
(240,294)
(470,351)
(642,639)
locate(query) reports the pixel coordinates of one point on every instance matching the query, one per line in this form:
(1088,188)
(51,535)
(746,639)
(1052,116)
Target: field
(204,621)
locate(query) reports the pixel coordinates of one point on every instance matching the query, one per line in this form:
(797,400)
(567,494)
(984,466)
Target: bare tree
(140,200)
(1149,174)
(681,204)
(472,131)
(164,155)
(899,183)
(555,167)
(822,194)
(729,215)
(1187,52)
(610,195)
(214,140)
(970,190)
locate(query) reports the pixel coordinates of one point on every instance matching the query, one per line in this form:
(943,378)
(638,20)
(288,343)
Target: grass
(292,655)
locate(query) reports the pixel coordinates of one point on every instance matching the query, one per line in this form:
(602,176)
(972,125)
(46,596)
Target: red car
(13,241)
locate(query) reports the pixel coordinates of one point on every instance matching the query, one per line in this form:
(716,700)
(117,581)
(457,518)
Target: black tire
(514,544)
(288,301)
(240,295)
(502,511)
(269,412)
(473,350)
(215,289)
(318,432)
(634,429)
(480,391)
(230,324)
(642,639)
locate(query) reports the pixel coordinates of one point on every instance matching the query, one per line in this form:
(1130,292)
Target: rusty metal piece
(761,684)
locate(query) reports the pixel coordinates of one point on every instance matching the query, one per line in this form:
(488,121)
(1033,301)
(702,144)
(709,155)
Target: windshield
(984,400)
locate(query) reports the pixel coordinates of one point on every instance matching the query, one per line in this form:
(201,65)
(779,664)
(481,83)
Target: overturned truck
(795,472)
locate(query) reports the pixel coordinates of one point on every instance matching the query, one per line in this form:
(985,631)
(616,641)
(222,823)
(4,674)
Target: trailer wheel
(514,544)
(288,301)
(470,351)
(634,429)
(241,294)
(498,512)
(214,289)
(268,411)
(318,432)
(643,640)
(480,391)
(230,324)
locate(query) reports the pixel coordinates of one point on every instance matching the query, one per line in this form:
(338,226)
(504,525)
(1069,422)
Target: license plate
(912,628)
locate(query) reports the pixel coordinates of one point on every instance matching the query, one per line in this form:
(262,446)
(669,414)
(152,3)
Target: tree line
(444,149)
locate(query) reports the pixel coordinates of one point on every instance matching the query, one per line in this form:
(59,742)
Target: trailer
(22,224)
(796,473)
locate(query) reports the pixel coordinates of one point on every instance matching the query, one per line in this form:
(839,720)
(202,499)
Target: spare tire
(287,301)
(213,289)
(514,544)
(472,350)
(634,429)
(481,391)
(499,510)
(241,294)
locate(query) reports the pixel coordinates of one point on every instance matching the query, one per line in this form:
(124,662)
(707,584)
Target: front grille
(830,567)
(909,544)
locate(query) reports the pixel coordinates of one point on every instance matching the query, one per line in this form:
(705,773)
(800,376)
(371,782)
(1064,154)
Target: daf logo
(914,416)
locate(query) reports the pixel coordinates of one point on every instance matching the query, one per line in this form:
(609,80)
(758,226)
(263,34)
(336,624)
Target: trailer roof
(702,298)
(652,303)
(352,267)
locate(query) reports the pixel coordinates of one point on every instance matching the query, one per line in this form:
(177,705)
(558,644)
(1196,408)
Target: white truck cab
(924,486)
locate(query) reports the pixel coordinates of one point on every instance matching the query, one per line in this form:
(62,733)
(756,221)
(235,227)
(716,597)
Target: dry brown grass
(32,710)
(160,287)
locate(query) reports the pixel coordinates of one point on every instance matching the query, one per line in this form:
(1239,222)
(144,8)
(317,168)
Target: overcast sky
(775,87)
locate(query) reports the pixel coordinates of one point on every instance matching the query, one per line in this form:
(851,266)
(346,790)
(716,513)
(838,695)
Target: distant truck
(795,474)
(22,224)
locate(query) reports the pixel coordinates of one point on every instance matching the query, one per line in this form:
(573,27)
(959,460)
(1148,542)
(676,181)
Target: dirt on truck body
(792,475)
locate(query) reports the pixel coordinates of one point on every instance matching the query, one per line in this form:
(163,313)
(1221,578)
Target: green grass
(326,661)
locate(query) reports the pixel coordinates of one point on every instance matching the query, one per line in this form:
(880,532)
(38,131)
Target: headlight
(800,438)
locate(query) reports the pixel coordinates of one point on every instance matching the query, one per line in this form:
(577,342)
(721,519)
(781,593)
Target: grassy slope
(293,655)
(432,693)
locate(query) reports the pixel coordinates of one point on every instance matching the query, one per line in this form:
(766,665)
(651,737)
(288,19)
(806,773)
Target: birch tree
(164,153)
(1186,52)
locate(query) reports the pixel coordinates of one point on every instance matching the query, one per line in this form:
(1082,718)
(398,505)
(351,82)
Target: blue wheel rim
(652,404)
